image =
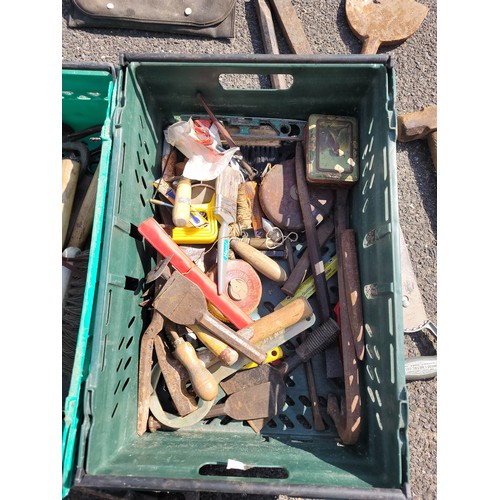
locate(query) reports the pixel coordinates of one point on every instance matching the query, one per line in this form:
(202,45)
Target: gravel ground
(415,64)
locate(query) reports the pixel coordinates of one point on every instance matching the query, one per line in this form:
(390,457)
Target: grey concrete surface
(415,62)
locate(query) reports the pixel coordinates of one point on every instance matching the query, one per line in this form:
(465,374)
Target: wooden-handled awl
(202,380)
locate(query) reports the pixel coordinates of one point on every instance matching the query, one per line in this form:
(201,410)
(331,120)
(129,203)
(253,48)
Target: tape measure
(243,286)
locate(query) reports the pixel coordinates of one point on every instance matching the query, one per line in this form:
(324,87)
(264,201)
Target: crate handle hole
(253,81)
(134,232)
(255,471)
(131,283)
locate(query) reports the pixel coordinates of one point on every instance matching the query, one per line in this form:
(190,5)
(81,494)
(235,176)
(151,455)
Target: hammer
(420,125)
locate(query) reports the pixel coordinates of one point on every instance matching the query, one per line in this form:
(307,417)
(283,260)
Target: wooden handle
(269,39)
(225,353)
(182,203)
(259,261)
(279,319)
(238,342)
(258,243)
(203,382)
(291,26)
(85,217)
(70,171)
(370,46)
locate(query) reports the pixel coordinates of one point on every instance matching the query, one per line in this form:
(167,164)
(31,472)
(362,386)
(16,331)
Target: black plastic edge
(239,487)
(128,57)
(93,66)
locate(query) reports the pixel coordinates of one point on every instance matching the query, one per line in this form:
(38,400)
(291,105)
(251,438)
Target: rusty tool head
(160,270)
(315,342)
(420,124)
(259,401)
(221,372)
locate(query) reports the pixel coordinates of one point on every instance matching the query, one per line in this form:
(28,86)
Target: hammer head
(417,125)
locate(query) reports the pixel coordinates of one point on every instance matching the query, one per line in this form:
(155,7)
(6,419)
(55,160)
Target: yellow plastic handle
(272,355)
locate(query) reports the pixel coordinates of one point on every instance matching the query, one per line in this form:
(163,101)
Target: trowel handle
(370,46)
(203,382)
(279,319)
(316,341)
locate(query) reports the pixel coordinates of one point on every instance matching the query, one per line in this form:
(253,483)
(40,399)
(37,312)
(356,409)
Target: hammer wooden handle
(259,261)
(230,337)
(279,319)
(85,217)
(292,313)
(70,172)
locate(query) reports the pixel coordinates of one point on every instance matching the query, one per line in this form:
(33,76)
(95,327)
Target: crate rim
(90,66)
(234,486)
(129,57)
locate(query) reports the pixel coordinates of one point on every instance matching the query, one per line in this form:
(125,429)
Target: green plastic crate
(87,100)
(307,463)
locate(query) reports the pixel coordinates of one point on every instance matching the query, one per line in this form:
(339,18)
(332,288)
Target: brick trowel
(415,318)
